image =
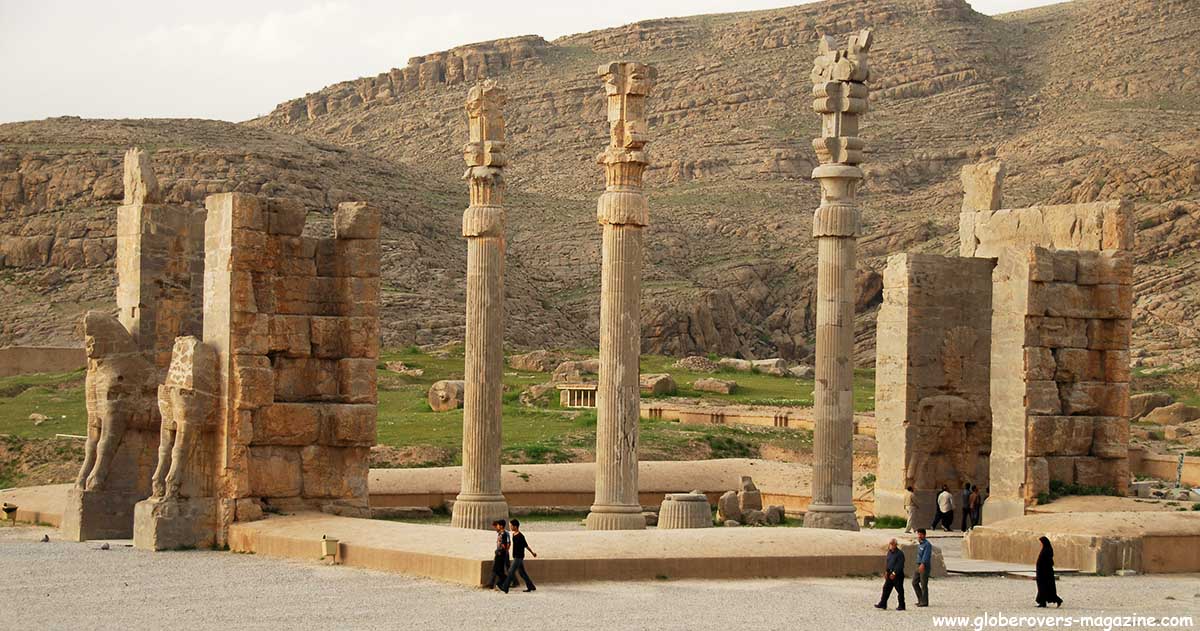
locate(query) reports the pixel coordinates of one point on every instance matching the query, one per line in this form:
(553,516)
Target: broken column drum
(480,500)
(839,96)
(623,212)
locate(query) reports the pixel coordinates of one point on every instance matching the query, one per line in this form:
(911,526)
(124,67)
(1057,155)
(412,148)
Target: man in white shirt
(945,502)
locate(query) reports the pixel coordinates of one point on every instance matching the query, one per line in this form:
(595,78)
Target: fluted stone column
(622,211)
(840,96)
(480,500)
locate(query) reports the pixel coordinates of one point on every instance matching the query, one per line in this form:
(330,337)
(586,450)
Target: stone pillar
(840,96)
(623,212)
(480,500)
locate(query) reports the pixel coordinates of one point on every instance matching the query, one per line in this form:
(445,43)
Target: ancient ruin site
(876,294)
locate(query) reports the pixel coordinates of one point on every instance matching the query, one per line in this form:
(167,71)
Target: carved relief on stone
(958,347)
(187,402)
(117,394)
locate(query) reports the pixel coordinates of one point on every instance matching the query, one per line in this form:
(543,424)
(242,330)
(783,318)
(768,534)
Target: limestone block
(1042,398)
(285,216)
(295,424)
(1059,435)
(301,295)
(305,378)
(1115,367)
(160,524)
(356,220)
(1088,264)
(1037,477)
(1093,472)
(1077,364)
(141,185)
(1040,364)
(1042,263)
(1065,266)
(274,471)
(1114,267)
(1095,398)
(253,381)
(250,251)
(1061,468)
(1119,229)
(754,518)
(776,366)
(720,386)
(1109,334)
(728,507)
(446,395)
(1054,332)
(983,185)
(349,425)
(357,380)
(294,255)
(658,384)
(290,335)
(749,500)
(356,297)
(249,333)
(1110,438)
(348,257)
(740,365)
(334,472)
(802,372)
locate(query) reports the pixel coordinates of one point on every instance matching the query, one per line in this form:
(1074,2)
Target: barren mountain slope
(60,184)
(1086,100)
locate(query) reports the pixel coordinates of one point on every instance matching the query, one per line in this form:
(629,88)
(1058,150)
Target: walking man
(500,556)
(945,512)
(973,504)
(893,576)
(519,546)
(920,580)
(910,507)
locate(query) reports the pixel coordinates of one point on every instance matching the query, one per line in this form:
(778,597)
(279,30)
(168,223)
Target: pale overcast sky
(235,60)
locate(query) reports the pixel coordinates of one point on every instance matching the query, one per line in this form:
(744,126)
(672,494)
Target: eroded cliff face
(730,261)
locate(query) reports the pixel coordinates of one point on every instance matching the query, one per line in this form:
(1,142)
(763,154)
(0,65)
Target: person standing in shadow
(1047,591)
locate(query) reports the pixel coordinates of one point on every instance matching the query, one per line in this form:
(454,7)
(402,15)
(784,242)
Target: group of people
(971,508)
(504,570)
(893,574)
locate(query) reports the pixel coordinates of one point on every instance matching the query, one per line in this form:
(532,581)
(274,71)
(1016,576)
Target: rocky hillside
(1086,100)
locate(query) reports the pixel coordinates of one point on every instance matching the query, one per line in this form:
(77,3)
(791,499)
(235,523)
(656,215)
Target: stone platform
(1099,542)
(464,556)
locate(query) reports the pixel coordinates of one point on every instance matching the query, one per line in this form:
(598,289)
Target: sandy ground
(60,585)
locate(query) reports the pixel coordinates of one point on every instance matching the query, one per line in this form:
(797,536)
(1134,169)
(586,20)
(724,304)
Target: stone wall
(295,322)
(24,360)
(1095,226)
(1060,373)
(933,413)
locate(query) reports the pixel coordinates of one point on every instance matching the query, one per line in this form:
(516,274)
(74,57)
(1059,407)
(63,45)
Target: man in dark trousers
(966,506)
(500,557)
(920,580)
(519,546)
(893,576)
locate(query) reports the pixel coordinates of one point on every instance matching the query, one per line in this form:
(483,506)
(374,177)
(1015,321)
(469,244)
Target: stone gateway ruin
(1007,366)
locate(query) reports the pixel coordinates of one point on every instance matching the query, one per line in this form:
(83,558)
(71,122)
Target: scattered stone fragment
(446,395)
(802,372)
(728,508)
(661,383)
(696,363)
(719,386)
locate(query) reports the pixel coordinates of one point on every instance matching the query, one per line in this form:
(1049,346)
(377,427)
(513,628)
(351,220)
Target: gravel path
(60,585)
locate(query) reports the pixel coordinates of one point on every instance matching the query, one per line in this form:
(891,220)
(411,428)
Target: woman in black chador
(1045,576)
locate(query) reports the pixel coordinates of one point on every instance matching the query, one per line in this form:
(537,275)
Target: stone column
(480,501)
(622,211)
(840,96)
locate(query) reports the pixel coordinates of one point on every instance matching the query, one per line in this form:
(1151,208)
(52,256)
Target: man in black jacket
(893,576)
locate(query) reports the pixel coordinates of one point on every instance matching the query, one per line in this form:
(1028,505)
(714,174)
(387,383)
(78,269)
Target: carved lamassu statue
(118,391)
(187,402)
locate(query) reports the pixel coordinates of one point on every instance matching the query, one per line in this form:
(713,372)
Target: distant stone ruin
(1008,366)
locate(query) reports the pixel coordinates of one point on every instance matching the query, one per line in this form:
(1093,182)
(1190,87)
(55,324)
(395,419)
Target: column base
(616,517)
(831,517)
(477,512)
